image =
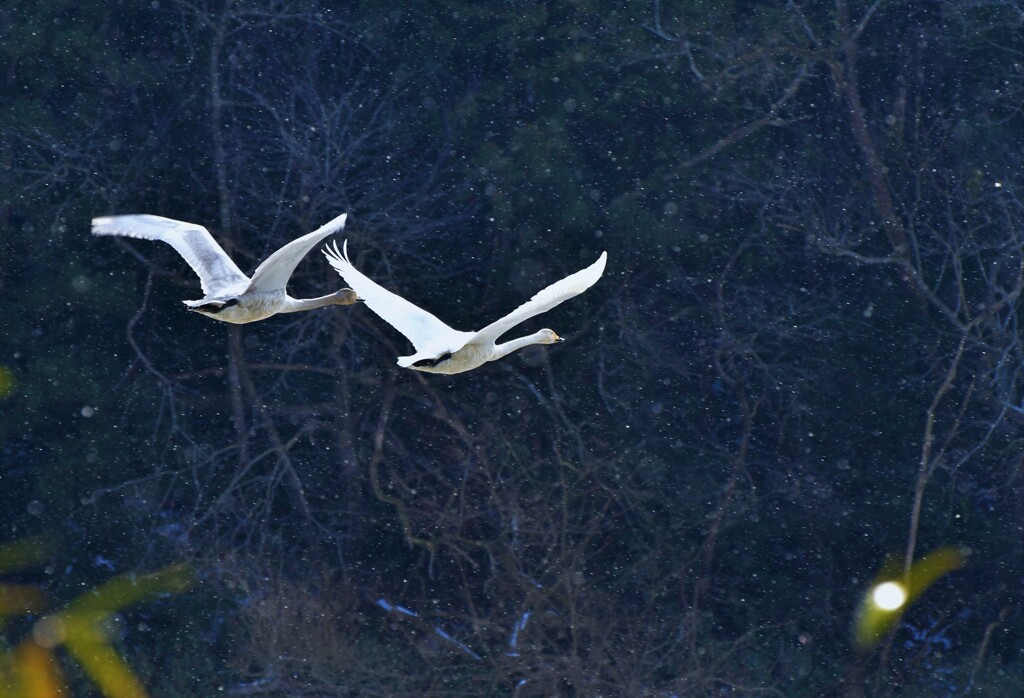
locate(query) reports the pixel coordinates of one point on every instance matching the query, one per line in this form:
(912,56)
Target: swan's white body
(230,295)
(441,349)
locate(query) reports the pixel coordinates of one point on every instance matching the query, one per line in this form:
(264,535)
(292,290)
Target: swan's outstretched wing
(420,327)
(193,242)
(545,300)
(274,272)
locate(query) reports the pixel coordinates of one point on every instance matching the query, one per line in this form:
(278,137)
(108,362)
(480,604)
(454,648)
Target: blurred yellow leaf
(23,553)
(39,674)
(20,599)
(85,628)
(103,665)
(892,592)
(128,589)
(6,381)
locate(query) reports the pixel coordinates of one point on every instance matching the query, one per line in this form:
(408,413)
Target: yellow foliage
(38,672)
(875,617)
(83,628)
(6,381)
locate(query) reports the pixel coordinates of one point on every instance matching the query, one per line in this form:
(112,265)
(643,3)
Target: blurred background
(804,355)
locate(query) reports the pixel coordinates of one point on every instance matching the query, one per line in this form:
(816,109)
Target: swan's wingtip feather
(596,270)
(331,251)
(100,223)
(337,224)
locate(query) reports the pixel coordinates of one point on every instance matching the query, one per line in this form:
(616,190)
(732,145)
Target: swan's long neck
(507,348)
(343,297)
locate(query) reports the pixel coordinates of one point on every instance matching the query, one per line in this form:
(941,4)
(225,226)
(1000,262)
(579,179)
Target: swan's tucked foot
(432,363)
(212,307)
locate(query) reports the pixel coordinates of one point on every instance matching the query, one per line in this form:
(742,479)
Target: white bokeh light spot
(889,596)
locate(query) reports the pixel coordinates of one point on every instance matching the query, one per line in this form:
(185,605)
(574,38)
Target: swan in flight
(441,349)
(230,295)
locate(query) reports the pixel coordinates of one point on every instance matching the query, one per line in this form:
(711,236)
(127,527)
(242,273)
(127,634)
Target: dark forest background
(804,356)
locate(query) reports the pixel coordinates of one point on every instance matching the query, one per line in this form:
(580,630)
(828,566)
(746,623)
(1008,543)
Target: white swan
(441,349)
(231,296)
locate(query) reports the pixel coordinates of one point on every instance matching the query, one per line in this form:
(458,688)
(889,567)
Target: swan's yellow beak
(558,339)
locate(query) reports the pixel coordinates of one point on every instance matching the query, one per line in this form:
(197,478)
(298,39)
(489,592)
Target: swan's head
(548,337)
(346,296)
